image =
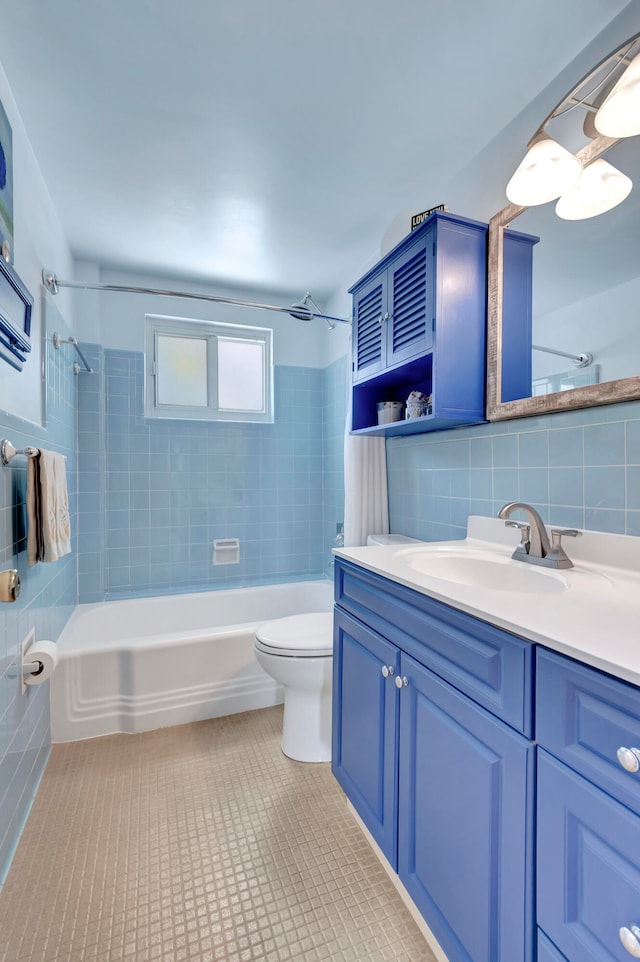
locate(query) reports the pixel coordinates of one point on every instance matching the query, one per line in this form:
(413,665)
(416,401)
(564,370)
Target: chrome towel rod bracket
(59,341)
(8,451)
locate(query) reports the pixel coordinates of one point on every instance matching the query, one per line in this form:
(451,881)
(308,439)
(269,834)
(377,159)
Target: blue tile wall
(154,494)
(579,469)
(48,594)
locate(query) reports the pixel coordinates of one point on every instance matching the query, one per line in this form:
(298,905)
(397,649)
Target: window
(206,370)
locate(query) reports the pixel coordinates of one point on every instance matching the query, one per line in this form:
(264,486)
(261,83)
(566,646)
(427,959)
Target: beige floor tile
(201,843)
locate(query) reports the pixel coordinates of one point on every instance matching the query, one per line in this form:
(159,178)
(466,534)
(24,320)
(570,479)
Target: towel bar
(8,452)
(58,341)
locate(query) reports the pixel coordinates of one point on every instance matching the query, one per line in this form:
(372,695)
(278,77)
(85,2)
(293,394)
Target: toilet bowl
(298,653)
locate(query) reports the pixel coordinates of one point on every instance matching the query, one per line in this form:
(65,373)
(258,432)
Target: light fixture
(547,171)
(619,115)
(600,188)
(610,96)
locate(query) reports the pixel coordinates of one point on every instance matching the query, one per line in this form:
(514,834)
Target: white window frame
(157,324)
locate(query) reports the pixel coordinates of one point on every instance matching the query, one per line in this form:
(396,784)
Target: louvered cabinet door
(410,303)
(369,309)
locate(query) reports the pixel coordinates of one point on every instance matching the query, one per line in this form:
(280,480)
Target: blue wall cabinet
(419,325)
(443,784)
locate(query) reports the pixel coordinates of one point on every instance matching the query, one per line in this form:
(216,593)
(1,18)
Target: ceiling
(270,145)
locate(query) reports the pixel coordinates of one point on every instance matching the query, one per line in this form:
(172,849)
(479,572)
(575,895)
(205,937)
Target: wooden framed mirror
(584,303)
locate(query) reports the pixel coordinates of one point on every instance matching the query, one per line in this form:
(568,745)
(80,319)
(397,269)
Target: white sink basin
(495,570)
(483,572)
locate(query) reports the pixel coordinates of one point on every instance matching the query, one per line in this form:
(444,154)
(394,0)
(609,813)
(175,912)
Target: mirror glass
(586,288)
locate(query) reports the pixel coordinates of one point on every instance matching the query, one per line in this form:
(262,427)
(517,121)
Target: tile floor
(201,842)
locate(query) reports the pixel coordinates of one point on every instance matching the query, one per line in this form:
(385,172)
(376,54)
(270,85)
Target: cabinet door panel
(409,330)
(547,951)
(365,706)
(464,821)
(369,307)
(588,865)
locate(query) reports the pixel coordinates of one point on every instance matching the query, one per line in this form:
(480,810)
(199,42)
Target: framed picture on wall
(16,305)
(6,186)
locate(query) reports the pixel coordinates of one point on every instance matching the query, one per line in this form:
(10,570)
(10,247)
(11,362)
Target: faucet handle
(557,534)
(525,530)
(557,556)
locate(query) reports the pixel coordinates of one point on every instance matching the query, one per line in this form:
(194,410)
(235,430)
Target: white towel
(49,530)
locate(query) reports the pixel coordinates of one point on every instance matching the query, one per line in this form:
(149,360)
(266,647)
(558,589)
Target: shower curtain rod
(299,311)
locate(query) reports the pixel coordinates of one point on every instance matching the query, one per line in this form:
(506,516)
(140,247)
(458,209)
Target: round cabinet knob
(381,319)
(387,670)
(630,938)
(401,682)
(629,758)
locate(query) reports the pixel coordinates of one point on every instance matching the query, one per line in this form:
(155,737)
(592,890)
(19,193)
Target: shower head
(302,312)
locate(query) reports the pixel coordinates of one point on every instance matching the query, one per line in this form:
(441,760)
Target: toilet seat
(297,636)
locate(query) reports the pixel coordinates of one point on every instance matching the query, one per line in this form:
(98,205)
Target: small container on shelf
(418,405)
(389,411)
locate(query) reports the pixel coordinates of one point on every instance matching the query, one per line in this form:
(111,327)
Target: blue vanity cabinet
(419,320)
(443,783)
(588,805)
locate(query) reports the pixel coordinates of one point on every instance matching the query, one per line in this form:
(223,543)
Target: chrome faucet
(534,545)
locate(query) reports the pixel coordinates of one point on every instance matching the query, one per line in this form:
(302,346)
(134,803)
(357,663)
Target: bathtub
(145,663)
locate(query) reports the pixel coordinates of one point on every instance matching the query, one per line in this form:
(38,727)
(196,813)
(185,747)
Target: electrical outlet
(24,648)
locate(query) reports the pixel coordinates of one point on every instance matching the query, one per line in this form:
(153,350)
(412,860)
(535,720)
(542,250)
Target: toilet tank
(391,539)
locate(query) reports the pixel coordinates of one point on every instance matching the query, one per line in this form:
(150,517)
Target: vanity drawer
(491,666)
(584,717)
(588,870)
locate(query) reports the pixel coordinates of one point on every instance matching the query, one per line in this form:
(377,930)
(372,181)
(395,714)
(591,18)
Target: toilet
(390,539)
(297,652)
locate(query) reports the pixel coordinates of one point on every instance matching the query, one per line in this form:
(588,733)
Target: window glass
(240,375)
(181,370)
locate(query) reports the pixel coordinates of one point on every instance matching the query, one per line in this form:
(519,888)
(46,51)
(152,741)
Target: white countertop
(594,617)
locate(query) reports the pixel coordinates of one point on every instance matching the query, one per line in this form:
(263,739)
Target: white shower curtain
(366,508)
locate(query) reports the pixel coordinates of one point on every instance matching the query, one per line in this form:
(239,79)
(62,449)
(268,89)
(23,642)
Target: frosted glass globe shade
(619,115)
(600,188)
(546,172)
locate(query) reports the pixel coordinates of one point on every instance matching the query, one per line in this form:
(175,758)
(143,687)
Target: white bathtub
(131,666)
